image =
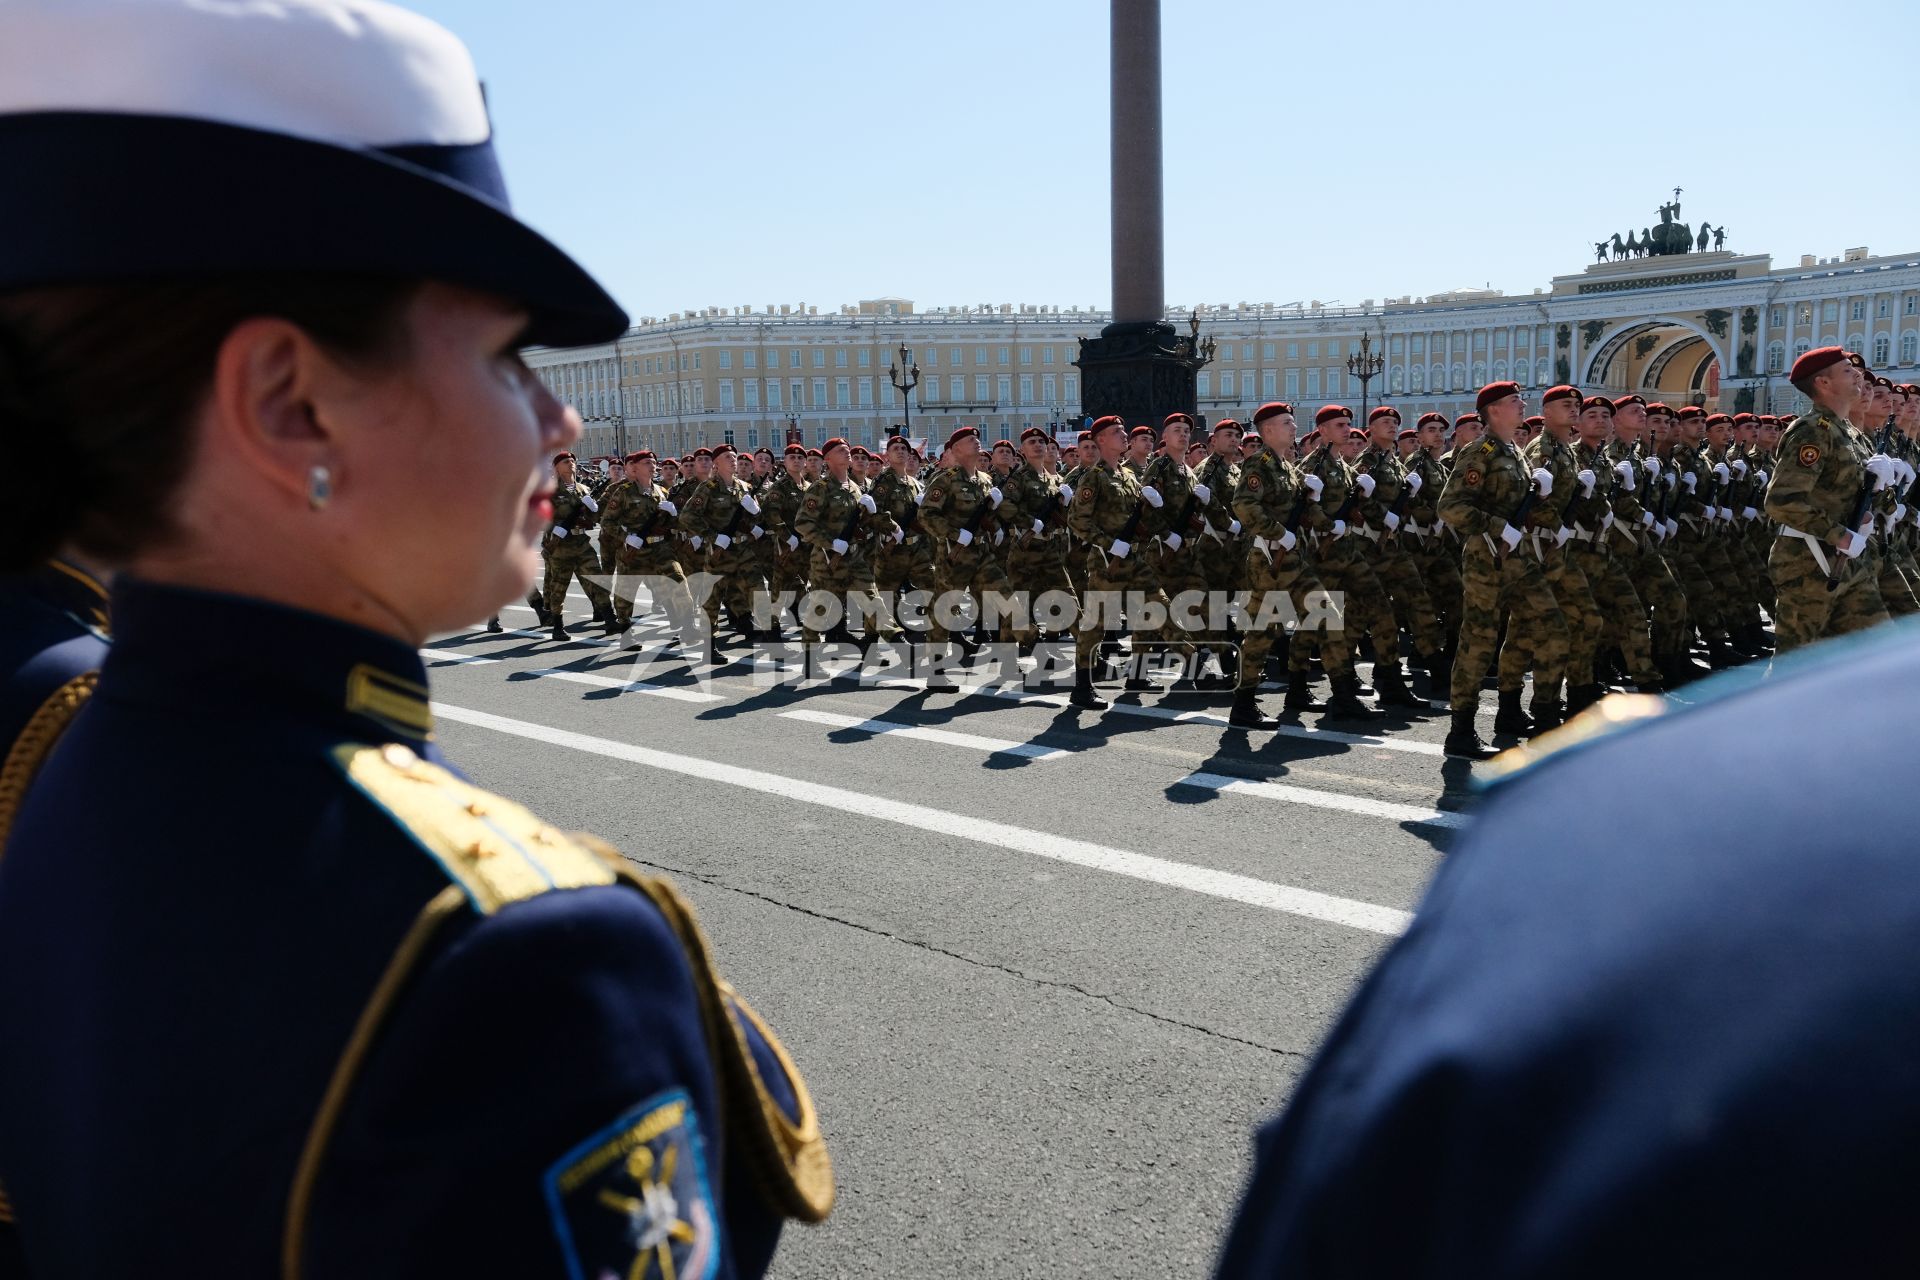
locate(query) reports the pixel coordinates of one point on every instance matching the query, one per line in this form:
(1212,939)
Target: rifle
(1862,510)
(1518,517)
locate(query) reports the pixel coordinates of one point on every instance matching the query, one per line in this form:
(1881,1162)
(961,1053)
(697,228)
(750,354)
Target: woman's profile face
(444,478)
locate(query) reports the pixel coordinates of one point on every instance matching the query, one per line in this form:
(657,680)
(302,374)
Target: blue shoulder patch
(633,1200)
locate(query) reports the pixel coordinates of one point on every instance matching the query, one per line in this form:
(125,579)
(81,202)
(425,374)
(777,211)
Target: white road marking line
(1308,732)
(630,686)
(1280,791)
(453,657)
(893,728)
(1367,916)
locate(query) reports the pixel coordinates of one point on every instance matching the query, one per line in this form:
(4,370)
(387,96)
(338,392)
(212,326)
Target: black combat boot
(1393,689)
(1463,739)
(1440,677)
(1083,694)
(1246,713)
(1582,696)
(1299,697)
(1511,719)
(1345,703)
(559,631)
(1720,654)
(1209,674)
(1547,713)
(493,625)
(1137,681)
(1757,638)
(939,671)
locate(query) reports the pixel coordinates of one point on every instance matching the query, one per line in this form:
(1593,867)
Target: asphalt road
(1044,970)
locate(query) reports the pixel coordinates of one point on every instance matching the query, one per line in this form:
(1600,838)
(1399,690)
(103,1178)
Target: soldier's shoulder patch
(1253,480)
(813,504)
(936,494)
(1809,455)
(634,1199)
(1084,494)
(1473,475)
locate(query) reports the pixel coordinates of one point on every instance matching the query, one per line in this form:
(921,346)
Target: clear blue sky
(729,152)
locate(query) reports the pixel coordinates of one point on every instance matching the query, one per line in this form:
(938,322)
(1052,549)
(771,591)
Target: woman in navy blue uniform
(280,990)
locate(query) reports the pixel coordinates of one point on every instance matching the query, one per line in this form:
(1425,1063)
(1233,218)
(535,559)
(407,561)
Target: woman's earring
(319,487)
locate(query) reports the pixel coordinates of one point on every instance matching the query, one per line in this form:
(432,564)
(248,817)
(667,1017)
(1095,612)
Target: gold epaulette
(495,850)
(1603,719)
(30,750)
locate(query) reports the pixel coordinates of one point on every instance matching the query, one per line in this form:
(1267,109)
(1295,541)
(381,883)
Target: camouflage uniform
(1340,562)
(638,531)
(1037,557)
(570,552)
(1383,552)
(1174,553)
(1267,490)
(1488,482)
(910,560)
(1597,540)
(1687,551)
(1222,544)
(1432,548)
(1570,589)
(1105,503)
(780,504)
(719,514)
(958,501)
(832,510)
(1640,513)
(1821,469)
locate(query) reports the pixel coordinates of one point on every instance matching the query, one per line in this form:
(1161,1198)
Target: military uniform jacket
(634,512)
(1337,487)
(1266,494)
(956,499)
(1543,452)
(1104,504)
(832,510)
(338,1013)
(1389,477)
(899,496)
(1818,477)
(1172,479)
(1423,509)
(1488,482)
(575,512)
(781,504)
(1028,496)
(714,511)
(1221,475)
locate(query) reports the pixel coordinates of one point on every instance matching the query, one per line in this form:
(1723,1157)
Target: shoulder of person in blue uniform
(1629,1031)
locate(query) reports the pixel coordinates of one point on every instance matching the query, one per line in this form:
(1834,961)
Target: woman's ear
(266,378)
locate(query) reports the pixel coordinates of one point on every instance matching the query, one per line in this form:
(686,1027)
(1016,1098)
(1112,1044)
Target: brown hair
(99,385)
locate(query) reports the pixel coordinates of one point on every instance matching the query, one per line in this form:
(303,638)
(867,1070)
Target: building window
(1293,384)
(1293,351)
(959,393)
(1266,384)
(1777,317)
(1856,344)
(933,357)
(1883,307)
(1419,382)
(1026,388)
(866,393)
(773,393)
(1005,355)
(1776,357)
(753,437)
(1227,387)
(1266,351)
(749,359)
(866,358)
(793,361)
(1026,355)
(1396,380)
(1313,351)
(1909,348)
(727,435)
(1203,383)
(1882,349)
(1523,372)
(1830,312)
(1913,304)
(1246,353)
(1479,339)
(1800,348)
(1050,386)
(1459,378)
(1499,370)
(726,359)
(1004,387)
(752,389)
(1333,382)
(842,393)
(726,395)
(819,358)
(1479,373)
(1313,383)
(1419,344)
(981,395)
(1046,355)
(1500,340)
(1858,311)
(979,356)
(819,393)
(1070,388)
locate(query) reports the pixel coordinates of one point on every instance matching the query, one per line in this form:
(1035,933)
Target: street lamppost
(793,429)
(905,377)
(1365,366)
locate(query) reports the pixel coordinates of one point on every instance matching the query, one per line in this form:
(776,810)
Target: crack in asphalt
(1054,984)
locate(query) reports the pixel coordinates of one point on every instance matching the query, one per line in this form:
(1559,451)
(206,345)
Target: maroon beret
(1597,402)
(1690,411)
(1111,420)
(1630,398)
(640,455)
(558,458)
(1085,437)
(1659,406)
(1408,434)
(1494,391)
(1269,409)
(1383,411)
(723,447)
(1467,419)
(1252,437)
(1745,420)
(1715,419)
(1425,418)
(1328,412)
(961,433)
(1034,433)
(798,448)
(813,453)
(1534,420)
(1003,444)
(1176,416)
(831,445)
(1561,392)
(1815,361)
(1225,424)
(1139,431)
(1355,433)
(703,452)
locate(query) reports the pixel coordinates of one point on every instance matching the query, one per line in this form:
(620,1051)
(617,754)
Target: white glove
(920,498)
(669,507)
(1720,472)
(1392,521)
(1587,480)
(1364,483)
(1202,492)
(1708,512)
(1670,479)
(994,496)
(1233,526)
(1606,521)
(1560,538)
(1906,470)
(1314,486)
(1673,528)
(1646,519)
(1855,544)
(1151,496)
(1039,526)
(866,500)
(1691,481)
(1119,549)
(793,542)
(899,534)
(1543,481)
(1652,464)
(1173,541)
(757,531)
(1510,536)
(633,540)
(839,546)
(1414,481)
(1882,469)
(1339,528)
(1624,470)
(1726,514)
(721,542)
(1740,467)
(559,531)
(1899,512)
(964,537)
(1066,494)
(587,500)
(1749,513)
(1761,475)
(999,535)
(1287,540)
(696,542)
(751,503)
